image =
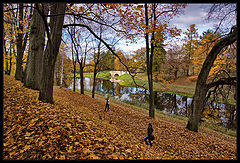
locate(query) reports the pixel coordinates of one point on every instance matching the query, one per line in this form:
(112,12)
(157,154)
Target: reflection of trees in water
(105,86)
(232,113)
(222,113)
(118,90)
(171,103)
(180,105)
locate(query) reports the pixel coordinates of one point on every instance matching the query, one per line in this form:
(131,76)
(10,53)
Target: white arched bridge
(117,73)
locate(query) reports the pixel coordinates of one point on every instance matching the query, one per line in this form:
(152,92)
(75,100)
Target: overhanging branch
(223,81)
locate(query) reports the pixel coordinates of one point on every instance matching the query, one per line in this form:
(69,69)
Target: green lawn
(100,75)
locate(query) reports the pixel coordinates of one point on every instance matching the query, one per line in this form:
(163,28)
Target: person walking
(107,104)
(150,134)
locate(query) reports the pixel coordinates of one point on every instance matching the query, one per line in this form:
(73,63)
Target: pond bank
(126,80)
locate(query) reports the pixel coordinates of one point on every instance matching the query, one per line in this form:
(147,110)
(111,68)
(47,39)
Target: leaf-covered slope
(76,127)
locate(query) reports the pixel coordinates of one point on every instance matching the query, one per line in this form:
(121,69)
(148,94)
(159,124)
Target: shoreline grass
(141,80)
(100,75)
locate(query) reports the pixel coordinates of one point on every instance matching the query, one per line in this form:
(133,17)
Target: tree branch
(223,81)
(106,44)
(45,22)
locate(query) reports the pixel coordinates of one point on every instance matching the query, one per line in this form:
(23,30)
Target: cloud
(194,14)
(130,48)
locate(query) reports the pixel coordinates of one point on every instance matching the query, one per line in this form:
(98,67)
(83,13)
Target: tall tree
(175,61)
(96,59)
(149,60)
(82,63)
(74,62)
(63,67)
(117,65)
(81,52)
(21,42)
(107,60)
(224,12)
(10,33)
(57,12)
(205,44)
(152,29)
(36,48)
(137,62)
(202,86)
(159,59)
(191,43)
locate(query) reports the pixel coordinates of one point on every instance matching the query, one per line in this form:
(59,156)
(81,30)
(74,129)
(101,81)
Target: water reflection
(168,103)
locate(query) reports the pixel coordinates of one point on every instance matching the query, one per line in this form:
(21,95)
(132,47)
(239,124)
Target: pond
(224,114)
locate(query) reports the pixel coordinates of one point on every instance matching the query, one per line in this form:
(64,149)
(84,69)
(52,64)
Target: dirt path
(172,141)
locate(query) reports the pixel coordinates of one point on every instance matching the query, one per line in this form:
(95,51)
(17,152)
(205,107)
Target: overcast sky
(194,13)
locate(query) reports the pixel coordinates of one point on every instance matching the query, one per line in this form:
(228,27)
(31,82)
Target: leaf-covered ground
(76,127)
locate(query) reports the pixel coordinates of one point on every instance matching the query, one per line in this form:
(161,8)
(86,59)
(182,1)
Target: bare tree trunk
(96,64)
(81,78)
(6,67)
(201,85)
(74,77)
(74,69)
(61,78)
(94,80)
(149,61)
(36,48)
(19,62)
(10,58)
(6,60)
(51,51)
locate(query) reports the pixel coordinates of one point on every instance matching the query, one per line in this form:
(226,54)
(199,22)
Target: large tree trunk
(19,62)
(10,58)
(6,59)
(51,52)
(81,78)
(35,54)
(201,85)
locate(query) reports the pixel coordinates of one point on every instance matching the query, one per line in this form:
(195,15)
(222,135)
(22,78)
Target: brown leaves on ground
(76,127)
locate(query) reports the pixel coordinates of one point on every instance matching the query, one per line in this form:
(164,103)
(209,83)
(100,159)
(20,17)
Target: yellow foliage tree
(137,62)
(118,65)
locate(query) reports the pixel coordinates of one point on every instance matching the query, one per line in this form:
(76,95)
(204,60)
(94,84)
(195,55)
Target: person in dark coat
(107,104)
(150,134)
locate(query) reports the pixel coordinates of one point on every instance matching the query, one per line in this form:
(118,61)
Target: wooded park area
(48,44)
